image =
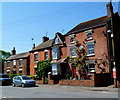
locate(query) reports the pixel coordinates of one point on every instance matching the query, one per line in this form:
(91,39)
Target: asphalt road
(53,92)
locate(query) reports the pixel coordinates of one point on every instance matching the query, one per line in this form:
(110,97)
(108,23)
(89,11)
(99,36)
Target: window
(91,68)
(20,62)
(89,34)
(8,64)
(35,71)
(46,55)
(20,72)
(55,53)
(36,57)
(57,40)
(72,51)
(55,69)
(90,48)
(14,62)
(72,38)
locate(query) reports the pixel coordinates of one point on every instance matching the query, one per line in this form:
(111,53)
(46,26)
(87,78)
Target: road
(54,92)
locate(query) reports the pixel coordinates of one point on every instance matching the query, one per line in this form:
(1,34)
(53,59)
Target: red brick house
(96,39)
(17,63)
(39,53)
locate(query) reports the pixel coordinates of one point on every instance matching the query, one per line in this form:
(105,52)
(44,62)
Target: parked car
(5,80)
(23,81)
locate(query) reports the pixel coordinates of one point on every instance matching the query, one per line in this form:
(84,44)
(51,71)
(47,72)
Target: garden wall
(96,80)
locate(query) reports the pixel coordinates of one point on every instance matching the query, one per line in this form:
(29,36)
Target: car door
(19,81)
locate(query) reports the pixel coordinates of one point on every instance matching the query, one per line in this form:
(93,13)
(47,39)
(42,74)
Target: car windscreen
(26,78)
(4,76)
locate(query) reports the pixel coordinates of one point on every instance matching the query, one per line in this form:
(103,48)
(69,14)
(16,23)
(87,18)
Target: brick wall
(40,58)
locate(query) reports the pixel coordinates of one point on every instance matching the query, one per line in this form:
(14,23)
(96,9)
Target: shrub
(12,75)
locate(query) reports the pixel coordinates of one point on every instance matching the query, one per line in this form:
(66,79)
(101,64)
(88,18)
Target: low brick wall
(102,79)
(77,82)
(40,81)
(51,82)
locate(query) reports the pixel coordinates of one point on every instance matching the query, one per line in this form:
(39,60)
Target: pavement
(108,88)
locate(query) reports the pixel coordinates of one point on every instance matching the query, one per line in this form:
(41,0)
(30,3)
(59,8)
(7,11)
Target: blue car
(5,80)
(23,81)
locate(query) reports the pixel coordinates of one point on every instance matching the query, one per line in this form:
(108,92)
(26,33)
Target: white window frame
(45,56)
(56,53)
(90,43)
(92,69)
(36,60)
(72,51)
(55,69)
(89,32)
(21,61)
(7,64)
(72,36)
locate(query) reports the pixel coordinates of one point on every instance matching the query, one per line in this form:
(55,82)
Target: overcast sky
(22,21)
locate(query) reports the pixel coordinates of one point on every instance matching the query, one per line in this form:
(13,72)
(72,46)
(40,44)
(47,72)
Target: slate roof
(43,45)
(88,24)
(18,56)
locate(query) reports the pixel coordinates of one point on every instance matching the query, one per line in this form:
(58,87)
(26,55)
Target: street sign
(114,72)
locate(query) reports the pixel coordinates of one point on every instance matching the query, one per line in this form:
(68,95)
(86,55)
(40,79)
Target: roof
(43,45)
(18,56)
(88,24)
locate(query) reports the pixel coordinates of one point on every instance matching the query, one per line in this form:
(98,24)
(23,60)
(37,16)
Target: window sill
(35,61)
(90,55)
(8,67)
(72,42)
(89,38)
(20,66)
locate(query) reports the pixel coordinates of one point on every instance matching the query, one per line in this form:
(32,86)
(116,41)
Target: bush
(12,75)
(46,80)
(32,77)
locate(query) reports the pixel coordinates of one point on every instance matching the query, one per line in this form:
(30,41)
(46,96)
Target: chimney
(44,39)
(33,46)
(14,51)
(109,10)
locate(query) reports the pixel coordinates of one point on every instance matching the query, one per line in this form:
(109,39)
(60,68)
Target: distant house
(40,53)
(17,63)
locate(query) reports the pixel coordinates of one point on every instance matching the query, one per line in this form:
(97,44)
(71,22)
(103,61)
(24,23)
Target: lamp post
(113,57)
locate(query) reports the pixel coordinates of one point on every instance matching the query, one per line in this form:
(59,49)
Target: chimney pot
(44,39)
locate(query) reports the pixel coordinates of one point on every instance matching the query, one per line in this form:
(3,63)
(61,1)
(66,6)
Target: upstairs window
(14,62)
(8,64)
(72,51)
(46,54)
(35,57)
(90,48)
(57,41)
(72,38)
(89,34)
(20,62)
(55,53)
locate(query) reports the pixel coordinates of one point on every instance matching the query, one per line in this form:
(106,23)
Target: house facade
(17,63)
(40,53)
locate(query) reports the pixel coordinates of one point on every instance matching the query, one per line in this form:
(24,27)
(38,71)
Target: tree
(3,55)
(43,67)
(79,60)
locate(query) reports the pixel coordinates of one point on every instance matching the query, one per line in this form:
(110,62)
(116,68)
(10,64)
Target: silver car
(23,81)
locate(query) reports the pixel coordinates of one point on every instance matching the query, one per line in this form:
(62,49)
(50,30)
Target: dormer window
(57,40)
(89,34)
(72,38)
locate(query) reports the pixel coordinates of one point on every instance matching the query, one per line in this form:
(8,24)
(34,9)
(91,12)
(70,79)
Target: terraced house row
(99,37)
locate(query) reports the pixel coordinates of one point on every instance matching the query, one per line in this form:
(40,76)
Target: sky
(22,21)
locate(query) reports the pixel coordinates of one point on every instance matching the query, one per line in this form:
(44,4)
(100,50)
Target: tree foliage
(43,67)
(79,60)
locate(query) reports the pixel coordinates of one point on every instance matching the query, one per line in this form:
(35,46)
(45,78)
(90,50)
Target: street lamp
(113,54)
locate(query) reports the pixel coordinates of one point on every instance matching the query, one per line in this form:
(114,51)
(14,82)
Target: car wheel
(13,84)
(23,85)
